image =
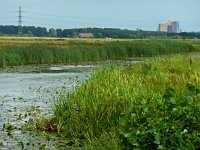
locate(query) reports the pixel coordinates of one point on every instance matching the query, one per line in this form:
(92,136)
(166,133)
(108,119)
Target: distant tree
(97,32)
(41,32)
(10,29)
(67,32)
(30,33)
(59,32)
(26,29)
(52,32)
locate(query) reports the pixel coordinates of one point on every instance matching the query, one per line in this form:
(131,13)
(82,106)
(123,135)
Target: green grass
(28,51)
(151,105)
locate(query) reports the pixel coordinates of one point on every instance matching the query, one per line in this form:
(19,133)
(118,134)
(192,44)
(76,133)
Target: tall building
(170,27)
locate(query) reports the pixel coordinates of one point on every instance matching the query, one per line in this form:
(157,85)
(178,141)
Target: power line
(92,23)
(94,19)
(7,12)
(86,21)
(7,17)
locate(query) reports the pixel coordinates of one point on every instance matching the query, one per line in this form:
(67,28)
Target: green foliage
(49,51)
(150,105)
(97,32)
(107,141)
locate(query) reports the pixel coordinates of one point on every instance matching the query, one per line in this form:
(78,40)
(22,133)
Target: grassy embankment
(151,105)
(26,51)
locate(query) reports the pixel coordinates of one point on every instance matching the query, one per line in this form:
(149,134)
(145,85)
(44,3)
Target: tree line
(97,32)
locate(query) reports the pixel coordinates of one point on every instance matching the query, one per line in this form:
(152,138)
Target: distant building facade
(170,27)
(85,35)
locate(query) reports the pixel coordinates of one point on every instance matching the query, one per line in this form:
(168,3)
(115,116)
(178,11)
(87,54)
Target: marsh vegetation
(153,104)
(150,105)
(26,51)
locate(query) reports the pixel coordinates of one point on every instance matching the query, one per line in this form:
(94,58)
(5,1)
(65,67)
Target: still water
(29,93)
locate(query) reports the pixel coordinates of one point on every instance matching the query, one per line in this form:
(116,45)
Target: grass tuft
(151,105)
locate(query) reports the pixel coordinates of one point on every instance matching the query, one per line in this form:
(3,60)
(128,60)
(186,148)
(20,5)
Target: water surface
(27,93)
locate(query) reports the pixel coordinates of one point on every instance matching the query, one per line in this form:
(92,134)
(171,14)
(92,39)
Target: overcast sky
(124,14)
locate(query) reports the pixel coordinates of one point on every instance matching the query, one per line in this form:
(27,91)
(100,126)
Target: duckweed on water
(151,105)
(25,97)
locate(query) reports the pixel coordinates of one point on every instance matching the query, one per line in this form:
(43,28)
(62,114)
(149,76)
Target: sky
(123,14)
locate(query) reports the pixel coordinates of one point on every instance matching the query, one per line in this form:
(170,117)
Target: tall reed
(67,51)
(151,105)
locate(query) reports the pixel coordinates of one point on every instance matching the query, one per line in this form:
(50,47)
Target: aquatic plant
(50,51)
(151,105)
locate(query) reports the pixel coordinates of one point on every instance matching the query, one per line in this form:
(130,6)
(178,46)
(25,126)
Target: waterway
(29,93)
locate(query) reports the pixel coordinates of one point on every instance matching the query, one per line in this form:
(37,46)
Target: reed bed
(50,51)
(151,105)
